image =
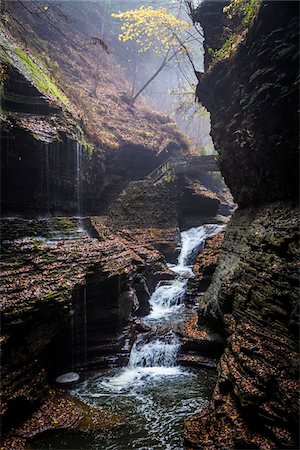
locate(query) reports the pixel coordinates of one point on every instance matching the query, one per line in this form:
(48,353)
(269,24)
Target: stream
(153,393)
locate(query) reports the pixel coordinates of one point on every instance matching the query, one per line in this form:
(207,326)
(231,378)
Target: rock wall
(52,162)
(188,202)
(253,299)
(47,167)
(252,98)
(67,302)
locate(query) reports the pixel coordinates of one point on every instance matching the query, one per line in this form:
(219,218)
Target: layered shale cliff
(72,285)
(252,96)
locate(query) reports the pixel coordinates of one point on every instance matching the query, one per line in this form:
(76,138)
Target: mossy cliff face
(52,161)
(253,298)
(47,164)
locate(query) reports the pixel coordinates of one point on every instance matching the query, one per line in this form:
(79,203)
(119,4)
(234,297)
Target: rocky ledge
(68,301)
(60,411)
(253,299)
(206,263)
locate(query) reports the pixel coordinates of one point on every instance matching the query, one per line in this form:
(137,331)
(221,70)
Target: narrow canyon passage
(149,224)
(153,393)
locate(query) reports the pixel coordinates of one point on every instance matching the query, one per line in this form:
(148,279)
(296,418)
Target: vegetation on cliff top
(90,76)
(34,70)
(240,14)
(156,30)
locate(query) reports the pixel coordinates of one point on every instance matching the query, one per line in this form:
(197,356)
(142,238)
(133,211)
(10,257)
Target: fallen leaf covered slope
(66,39)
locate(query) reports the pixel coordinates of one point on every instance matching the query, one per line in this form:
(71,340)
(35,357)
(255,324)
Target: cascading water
(166,300)
(192,241)
(47,166)
(45,178)
(79,160)
(152,393)
(79,172)
(168,297)
(154,354)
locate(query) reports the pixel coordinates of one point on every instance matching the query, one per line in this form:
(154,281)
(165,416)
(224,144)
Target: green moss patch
(32,69)
(40,79)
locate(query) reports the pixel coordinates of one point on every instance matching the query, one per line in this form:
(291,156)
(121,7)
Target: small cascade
(158,357)
(47,175)
(168,297)
(45,178)
(153,389)
(154,354)
(155,358)
(193,240)
(72,339)
(85,326)
(79,163)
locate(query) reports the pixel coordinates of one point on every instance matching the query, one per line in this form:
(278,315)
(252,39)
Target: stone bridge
(185,165)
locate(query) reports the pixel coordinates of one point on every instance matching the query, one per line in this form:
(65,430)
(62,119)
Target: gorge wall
(64,278)
(64,152)
(73,286)
(252,96)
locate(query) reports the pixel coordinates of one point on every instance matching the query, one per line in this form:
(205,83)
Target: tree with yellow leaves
(155,30)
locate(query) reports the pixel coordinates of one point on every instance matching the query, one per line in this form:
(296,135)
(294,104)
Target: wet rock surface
(206,263)
(59,411)
(188,203)
(45,286)
(200,345)
(253,298)
(254,294)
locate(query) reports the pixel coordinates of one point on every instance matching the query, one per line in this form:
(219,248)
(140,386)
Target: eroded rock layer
(253,298)
(253,98)
(67,301)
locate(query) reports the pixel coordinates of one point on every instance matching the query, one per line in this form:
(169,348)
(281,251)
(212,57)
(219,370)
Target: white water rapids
(153,393)
(158,357)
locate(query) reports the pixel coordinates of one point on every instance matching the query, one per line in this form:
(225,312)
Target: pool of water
(152,394)
(153,402)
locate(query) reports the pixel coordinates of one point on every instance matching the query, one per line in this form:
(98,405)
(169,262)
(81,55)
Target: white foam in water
(166,299)
(154,354)
(190,239)
(159,357)
(193,239)
(155,358)
(186,272)
(132,377)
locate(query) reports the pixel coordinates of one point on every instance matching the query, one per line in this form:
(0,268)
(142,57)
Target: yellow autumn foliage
(152,29)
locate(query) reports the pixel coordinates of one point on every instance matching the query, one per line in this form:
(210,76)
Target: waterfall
(155,358)
(85,326)
(169,295)
(153,389)
(47,177)
(154,354)
(158,357)
(193,240)
(79,161)
(167,298)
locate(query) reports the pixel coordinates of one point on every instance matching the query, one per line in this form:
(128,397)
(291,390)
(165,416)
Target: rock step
(214,345)
(196,360)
